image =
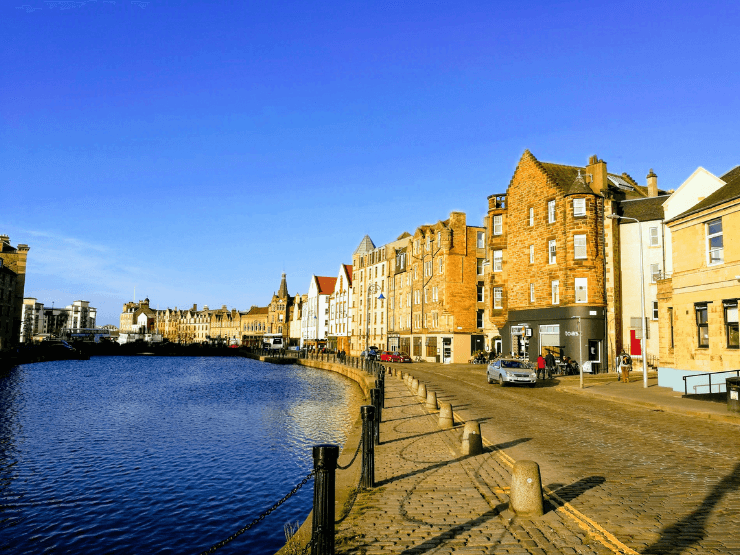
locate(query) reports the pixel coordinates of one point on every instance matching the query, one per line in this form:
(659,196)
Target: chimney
(652,186)
(597,170)
(195,308)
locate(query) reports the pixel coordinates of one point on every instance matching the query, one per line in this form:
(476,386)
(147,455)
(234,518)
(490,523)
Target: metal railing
(719,385)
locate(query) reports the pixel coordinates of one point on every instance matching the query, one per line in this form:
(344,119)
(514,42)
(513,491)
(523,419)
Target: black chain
(340,467)
(262,516)
(351,503)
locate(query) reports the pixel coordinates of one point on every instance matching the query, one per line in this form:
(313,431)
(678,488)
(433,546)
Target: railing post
(375,400)
(325,466)
(368,448)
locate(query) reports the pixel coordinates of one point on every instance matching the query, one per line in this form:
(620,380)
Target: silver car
(507,370)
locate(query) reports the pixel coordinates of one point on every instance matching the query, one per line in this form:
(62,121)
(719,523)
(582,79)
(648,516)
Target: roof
(257,310)
(348,269)
(366,245)
(731,175)
(326,284)
(643,209)
(403,235)
(283,291)
(728,192)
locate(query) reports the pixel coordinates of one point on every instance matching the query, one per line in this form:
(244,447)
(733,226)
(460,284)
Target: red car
(385,356)
(401,357)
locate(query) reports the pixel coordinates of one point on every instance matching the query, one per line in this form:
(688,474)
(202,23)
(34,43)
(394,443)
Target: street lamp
(642,298)
(371,289)
(580,350)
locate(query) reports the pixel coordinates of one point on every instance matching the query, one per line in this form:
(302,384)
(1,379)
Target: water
(160,454)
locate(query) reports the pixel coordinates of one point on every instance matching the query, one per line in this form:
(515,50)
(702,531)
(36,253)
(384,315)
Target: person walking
(550,364)
(540,367)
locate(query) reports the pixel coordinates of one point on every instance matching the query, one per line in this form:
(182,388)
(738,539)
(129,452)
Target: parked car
(402,357)
(507,370)
(386,356)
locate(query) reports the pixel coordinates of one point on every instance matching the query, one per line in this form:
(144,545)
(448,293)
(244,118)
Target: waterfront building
(280,311)
(340,323)
(254,325)
(226,325)
(32,319)
(698,302)
(556,279)
(434,307)
(12,285)
(368,272)
(315,319)
(294,322)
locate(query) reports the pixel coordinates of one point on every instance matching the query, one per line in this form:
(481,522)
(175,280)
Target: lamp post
(372,288)
(580,350)
(642,298)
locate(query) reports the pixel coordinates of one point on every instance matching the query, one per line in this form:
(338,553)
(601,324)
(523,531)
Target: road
(660,482)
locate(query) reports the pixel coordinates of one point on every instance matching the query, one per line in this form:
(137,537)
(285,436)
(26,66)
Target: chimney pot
(652,184)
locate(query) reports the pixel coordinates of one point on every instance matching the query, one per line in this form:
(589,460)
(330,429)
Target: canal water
(160,454)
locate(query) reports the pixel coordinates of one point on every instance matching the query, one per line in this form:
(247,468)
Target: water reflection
(158,455)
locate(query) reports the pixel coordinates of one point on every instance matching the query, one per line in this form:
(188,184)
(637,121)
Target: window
(531,254)
(551,212)
(425,295)
(479,318)
(653,235)
(481,240)
(498,225)
(429,241)
(581,290)
(435,294)
(531,217)
(670,321)
(555,292)
(731,325)
(702,325)
(579,206)
(654,272)
(480,293)
(440,265)
(655,310)
(480,266)
(579,246)
(551,249)
(498,261)
(714,242)
(439,239)
(531,292)
(498,294)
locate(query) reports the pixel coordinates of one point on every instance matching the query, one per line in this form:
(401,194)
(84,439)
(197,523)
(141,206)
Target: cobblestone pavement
(634,480)
(430,499)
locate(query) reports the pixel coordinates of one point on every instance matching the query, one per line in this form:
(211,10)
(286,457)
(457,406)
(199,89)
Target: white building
(32,319)
(81,315)
(340,320)
(315,317)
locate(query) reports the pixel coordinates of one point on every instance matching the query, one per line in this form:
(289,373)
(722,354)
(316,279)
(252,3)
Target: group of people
(546,366)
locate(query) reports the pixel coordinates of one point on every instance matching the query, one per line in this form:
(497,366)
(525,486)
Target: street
(659,482)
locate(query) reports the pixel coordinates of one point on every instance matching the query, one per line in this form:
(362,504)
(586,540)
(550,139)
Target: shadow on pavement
(506,445)
(570,492)
(674,539)
(434,466)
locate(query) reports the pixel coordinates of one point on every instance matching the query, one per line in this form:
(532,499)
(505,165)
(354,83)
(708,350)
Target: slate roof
(257,310)
(326,284)
(283,290)
(366,245)
(726,193)
(643,209)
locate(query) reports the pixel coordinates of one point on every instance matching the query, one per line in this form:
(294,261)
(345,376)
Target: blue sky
(196,150)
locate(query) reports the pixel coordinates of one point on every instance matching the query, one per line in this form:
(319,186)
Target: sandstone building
(12,286)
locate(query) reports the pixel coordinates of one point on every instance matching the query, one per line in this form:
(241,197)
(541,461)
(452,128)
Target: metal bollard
(368,447)
(526,489)
(375,400)
(446,418)
(325,466)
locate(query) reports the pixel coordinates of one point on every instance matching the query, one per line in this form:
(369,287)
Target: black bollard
(375,400)
(325,466)
(368,448)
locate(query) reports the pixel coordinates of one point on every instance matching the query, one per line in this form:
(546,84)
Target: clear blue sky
(197,150)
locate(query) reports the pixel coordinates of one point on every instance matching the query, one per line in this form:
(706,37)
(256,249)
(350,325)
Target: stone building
(436,278)
(340,321)
(254,325)
(280,311)
(370,267)
(698,303)
(556,281)
(12,286)
(226,326)
(294,322)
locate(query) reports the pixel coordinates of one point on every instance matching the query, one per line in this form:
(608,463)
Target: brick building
(12,286)
(555,283)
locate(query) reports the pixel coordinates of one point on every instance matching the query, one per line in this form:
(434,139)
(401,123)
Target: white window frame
(552,252)
(653,238)
(654,272)
(498,261)
(481,244)
(555,286)
(480,269)
(655,310)
(498,294)
(579,207)
(551,212)
(580,251)
(582,285)
(531,254)
(531,217)
(498,225)
(719,257)
(440,266)
(531,292)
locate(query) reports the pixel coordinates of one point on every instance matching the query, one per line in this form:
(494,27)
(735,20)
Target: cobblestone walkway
(431,499)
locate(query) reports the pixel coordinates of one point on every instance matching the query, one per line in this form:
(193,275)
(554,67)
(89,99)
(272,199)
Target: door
(635,347)
(446,350)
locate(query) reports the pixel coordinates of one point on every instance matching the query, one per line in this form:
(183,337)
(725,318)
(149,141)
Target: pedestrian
(550,363)
(625,364)
(540,367)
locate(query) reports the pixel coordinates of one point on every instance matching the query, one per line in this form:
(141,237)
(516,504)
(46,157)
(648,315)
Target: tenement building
(315,320)
(435,283)
(698,303)
(340,324)
(12,286)
(254,325)
(280,311)
(555,284)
